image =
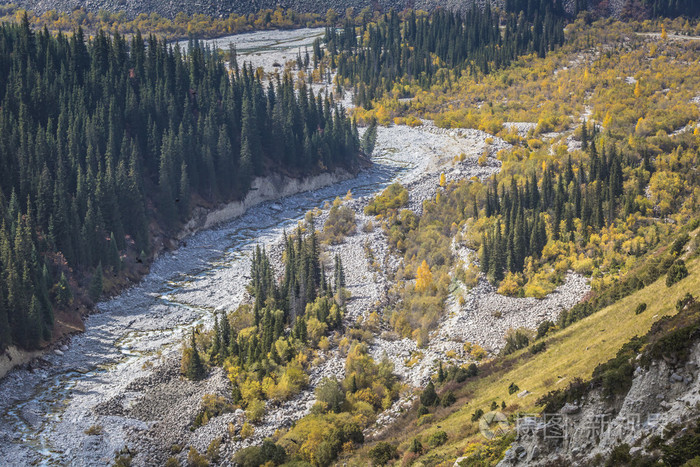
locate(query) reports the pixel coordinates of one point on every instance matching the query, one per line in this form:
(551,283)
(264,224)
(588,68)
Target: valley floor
(120,380)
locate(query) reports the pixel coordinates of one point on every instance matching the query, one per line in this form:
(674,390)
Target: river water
(45,411)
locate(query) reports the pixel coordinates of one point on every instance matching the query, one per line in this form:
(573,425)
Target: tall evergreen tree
(194,368)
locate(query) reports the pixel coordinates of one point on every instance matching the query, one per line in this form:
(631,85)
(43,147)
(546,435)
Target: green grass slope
(573,352)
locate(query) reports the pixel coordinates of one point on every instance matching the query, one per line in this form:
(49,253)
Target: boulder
(570,409)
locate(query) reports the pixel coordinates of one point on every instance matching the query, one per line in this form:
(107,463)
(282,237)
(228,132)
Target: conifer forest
(102,138)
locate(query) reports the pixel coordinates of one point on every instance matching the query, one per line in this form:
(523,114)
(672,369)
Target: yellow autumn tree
(424,278)
(637,90)
(607,120)
(443,181)
(383,116)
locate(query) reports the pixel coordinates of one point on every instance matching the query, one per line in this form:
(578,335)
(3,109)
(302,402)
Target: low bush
(212,406)
(393,197)
(683,449)
(429,397)
(425,419)
(448,399)
(255,456)
(382,453)
(213,450)
(195,459)
(676,273)
(416,447)
(255,410)
(616,374)
(538,347)
(682,303)
(679,243)
(640,309)
(544,328)
(672,337)
(515,340)
(437,439)
(94,430)
(339,224)
(620,455)
(555,400)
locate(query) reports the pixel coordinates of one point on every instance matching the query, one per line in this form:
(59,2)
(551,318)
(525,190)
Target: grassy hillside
(573,352)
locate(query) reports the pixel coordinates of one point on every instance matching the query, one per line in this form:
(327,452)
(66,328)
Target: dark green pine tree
(5,338)
(497,260)
(114,257)
(45,303)
(217,345)
(233,347)
(194,369)
(339,273)
(35,325)
(96,283)
(225,334)
(166,182)
(300,331)
(353,385)
(429,397)
(251,148)
(184,194)
(485,257)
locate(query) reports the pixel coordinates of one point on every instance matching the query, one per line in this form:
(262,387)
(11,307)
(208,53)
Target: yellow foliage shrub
(424,278)
(247,430)
(511,285)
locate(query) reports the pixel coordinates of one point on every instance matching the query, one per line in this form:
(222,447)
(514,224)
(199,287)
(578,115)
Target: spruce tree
(114,256)
(35,324)
(5,337)
(96,283)
(216,345)
(194,368)
(429,397)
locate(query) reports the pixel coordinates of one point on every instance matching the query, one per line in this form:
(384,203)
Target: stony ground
(170,8)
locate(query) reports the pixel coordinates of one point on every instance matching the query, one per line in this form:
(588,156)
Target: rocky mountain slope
(170,8)
(648,416)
